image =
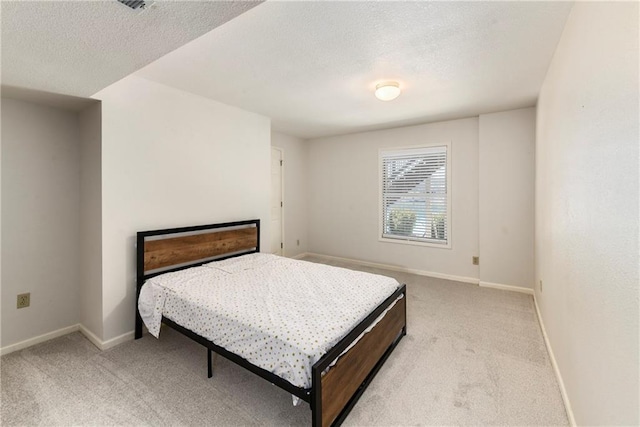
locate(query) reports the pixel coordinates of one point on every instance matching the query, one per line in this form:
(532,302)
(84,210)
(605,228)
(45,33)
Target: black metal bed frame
(312,395)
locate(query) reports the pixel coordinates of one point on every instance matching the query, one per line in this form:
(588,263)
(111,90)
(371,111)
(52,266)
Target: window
(415,202)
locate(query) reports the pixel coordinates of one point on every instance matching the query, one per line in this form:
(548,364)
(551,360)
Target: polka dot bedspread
(280,314)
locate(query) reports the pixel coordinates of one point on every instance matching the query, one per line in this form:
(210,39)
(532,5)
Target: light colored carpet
(472,356)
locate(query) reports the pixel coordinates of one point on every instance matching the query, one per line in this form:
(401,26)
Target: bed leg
(404,328)
(316,397)
(138,330)
(139,283)
(209,364)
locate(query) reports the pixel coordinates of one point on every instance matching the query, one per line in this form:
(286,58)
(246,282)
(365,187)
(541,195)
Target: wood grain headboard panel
(172,249)
(177,250)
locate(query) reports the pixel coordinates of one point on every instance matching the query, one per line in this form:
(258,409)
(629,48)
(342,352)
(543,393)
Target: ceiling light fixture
(387,91)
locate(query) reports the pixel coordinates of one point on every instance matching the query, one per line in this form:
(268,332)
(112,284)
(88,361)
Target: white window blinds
(415,203)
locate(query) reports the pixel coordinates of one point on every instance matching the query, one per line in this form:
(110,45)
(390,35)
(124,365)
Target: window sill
(415,243)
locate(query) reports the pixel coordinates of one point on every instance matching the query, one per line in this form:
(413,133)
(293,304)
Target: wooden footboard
(336,392)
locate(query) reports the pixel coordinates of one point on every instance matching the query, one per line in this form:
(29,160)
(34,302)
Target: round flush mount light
(387,91)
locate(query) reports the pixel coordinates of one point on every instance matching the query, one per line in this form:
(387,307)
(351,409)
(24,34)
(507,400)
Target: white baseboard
(39,339)
(299,256)
(102,345)
(563,390)
(511,288)
(127,336)
(398,268)
(91,336)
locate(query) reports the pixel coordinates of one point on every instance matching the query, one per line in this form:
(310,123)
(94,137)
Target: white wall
(296,154)
(506,221)
(40,215)
(171,159)
(343,192)
(1,315)
(587,211)
(91,219)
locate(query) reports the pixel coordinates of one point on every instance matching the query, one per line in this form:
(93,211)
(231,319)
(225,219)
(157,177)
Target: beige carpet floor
(472,356)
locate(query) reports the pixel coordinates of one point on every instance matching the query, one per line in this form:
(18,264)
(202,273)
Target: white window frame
(399,240)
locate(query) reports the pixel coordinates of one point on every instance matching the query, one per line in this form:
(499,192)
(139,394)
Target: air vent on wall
(134,4)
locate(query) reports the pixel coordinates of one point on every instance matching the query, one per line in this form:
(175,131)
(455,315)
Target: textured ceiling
(312,66)
(80,47)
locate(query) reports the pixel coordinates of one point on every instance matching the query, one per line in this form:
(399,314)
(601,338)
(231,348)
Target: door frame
(282,197)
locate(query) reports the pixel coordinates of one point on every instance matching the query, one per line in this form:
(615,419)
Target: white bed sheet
(280,314)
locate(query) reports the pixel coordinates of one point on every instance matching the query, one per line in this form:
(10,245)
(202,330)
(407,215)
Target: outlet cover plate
(24,300)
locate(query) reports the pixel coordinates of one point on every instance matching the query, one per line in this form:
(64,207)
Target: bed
(322,342)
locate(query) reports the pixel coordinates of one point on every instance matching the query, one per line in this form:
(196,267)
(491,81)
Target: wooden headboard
(173,249)
(160,251)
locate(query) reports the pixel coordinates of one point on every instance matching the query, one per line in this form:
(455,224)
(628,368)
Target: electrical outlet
(475,260)
(24,300)
(540,285)
(298,242)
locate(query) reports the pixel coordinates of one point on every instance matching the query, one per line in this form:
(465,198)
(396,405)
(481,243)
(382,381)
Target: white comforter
(280,314)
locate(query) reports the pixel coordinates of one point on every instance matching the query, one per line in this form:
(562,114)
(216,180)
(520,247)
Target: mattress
(279,314)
